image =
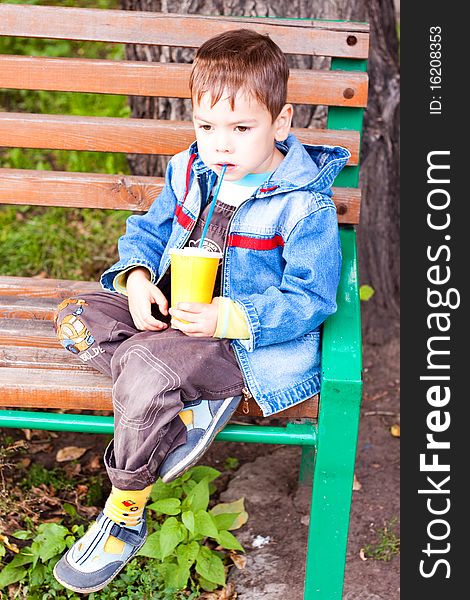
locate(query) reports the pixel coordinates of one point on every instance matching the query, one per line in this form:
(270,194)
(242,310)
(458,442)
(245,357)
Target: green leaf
(366,292)
(188,519)
(161,490)
(210,566)
(204,524)
(177,577)
(37,575)
(187,553)
(229,541)
(152,548)
(70,510)
(206,585)
(50,540)
(198,497)
(201,472)
(167,506)
(188,486)
(23,534)
(225,520)
(238,506)
(171,534)
(22,558)
(11,575)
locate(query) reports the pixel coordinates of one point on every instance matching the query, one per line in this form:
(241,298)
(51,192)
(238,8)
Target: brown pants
(153,373)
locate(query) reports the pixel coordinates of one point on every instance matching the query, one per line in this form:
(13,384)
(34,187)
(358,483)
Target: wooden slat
(69,389)
(98,134)
(63,389)
(331,88)
(94,190)
(21,307)
(297,36)
(25,357)
(140,136)
(38,287)
(31,333)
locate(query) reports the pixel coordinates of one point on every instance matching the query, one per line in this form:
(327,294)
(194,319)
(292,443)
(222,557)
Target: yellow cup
(193,274)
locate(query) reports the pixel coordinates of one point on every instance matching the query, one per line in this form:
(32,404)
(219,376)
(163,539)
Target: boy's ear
(283,122)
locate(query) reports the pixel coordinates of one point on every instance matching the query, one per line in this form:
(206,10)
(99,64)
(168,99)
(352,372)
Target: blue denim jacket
(281,262)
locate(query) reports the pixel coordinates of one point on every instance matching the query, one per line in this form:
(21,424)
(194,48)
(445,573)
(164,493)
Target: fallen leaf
(362,555)
(42,447)
(27,434)
(70,453)
(72,470)
(227,593)
(94,464)
(238,506)
(81,490)
(239,560)
(6,542)
(395,430)
(356,485)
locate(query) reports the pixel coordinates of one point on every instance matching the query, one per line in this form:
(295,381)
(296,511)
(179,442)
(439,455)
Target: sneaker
(86,567)
(207,418)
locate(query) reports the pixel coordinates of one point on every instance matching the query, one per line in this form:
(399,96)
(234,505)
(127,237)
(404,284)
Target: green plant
(387,545)
(184,524)
(38,475)
(184,553)
(231,463)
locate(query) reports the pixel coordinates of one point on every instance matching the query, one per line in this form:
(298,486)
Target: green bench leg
(307,464)
(332,490)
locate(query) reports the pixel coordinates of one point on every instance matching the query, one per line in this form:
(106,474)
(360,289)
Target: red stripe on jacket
(243,241)
(183,219)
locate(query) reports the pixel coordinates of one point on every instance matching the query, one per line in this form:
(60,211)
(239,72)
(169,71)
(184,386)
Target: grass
(57,242)
(61,242)
(387,545)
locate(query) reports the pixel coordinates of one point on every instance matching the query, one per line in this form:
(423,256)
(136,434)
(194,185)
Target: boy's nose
(224,144)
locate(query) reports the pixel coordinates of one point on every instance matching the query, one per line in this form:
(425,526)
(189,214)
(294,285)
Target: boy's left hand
(202,318)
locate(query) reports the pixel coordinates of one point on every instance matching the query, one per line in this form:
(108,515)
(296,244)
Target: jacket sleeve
(307,293)
(146,237)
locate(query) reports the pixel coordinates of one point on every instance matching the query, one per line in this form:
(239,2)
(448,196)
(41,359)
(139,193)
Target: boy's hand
(202,318)
(142,293)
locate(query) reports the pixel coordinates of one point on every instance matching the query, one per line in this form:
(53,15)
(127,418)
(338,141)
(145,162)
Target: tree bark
(378,233)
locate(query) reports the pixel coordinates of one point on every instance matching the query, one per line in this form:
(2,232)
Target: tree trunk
(378,233)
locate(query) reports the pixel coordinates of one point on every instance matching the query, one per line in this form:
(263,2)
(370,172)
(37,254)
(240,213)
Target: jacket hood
(308,167)
(305,166)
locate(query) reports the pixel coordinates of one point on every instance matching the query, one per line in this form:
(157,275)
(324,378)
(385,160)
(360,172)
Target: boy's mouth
(228,165)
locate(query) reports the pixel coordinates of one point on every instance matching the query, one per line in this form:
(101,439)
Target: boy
(276,224)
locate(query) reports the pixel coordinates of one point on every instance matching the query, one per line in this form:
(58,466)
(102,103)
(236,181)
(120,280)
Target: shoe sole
(193,456)
(97,588)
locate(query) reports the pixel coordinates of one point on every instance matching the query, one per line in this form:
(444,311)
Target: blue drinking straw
(211,209)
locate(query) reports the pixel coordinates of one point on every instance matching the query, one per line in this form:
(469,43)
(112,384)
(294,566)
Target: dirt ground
(279,510)
(276,533)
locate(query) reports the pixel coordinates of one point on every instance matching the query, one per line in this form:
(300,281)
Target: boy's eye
(205,127)
(242,128)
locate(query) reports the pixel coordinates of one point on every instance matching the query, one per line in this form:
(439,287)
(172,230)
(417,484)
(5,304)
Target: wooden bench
(36,373)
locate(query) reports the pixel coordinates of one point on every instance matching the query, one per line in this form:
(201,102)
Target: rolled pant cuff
(126,480)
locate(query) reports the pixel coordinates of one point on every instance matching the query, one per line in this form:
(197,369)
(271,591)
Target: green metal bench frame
(329,444)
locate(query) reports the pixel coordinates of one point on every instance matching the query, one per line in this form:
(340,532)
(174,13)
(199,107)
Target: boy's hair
(241,59)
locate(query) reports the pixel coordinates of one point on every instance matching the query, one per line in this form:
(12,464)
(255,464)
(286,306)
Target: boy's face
(243,138)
